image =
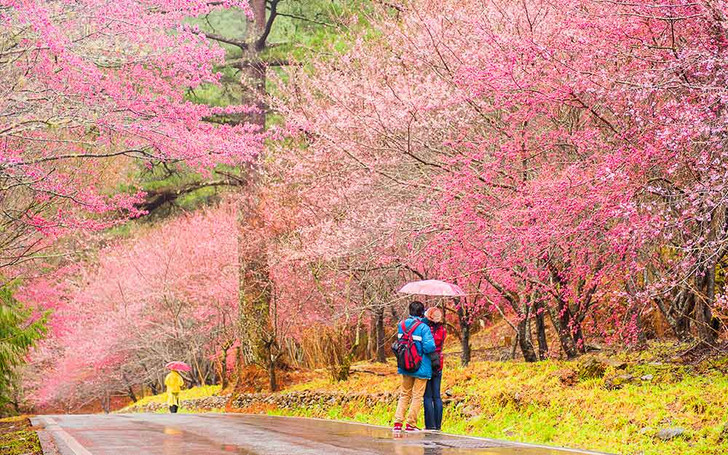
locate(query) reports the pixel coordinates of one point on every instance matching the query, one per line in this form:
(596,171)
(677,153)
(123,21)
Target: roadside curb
(49,432)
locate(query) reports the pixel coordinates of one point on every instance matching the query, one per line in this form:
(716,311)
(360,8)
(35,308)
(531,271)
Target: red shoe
(397,427)
(411,428)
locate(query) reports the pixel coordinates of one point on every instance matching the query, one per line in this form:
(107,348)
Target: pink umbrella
(433,287)
(177,366)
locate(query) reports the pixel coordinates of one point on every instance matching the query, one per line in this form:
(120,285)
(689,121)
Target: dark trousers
(433,403)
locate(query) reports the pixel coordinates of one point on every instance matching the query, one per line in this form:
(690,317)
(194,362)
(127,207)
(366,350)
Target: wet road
(218,434)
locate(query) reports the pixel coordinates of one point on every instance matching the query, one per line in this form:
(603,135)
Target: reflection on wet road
(214,434)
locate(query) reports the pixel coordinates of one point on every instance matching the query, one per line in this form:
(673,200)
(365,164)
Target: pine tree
(20,329)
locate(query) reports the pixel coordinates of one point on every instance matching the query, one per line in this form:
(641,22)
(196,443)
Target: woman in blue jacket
(413,384)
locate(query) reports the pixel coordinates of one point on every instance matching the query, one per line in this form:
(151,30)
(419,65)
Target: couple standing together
(418,349)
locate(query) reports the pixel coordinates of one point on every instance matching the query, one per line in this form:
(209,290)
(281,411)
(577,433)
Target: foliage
(20,330)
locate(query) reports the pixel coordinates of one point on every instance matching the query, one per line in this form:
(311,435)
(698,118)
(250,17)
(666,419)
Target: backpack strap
(408,333)
(414,326)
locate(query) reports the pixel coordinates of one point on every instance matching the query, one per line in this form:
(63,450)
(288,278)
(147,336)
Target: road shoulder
(47,442)
(18,437)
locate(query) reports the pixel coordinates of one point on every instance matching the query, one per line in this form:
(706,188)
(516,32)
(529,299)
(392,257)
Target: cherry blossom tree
(91,90)
(558,147)
(168,293)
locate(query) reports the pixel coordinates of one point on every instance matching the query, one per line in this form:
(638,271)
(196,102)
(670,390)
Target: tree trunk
(578,335)
(129,388)
(464,336)
(258,9)
(224,381)
(201,374)
(254,281)
(571,326)
(214,377)
(381,351)
(677,310)
(682,329)
(543,346)
(253,73)
(132,395)
(254,292)
(707,326)
(223,370)
(240,356)
(524,340)
(106,403)
(395,314)
(687,308)
(256,80)
(272,376)
(567,342)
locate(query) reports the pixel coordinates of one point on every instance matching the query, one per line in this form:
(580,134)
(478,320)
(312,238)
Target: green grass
(528,402)
(17,437)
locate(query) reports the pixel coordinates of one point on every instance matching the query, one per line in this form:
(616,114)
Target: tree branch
(157,198)
(306,19)
(223,39)
(242,63)
(260,43)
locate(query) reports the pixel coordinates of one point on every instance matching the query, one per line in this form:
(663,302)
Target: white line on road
(52,426)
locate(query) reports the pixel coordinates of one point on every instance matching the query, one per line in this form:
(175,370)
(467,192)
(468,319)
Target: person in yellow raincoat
(174,384)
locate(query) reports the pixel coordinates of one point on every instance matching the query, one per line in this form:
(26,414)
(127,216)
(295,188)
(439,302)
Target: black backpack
(405,349)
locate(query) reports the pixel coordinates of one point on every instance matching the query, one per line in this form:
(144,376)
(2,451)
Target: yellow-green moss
(17,437)
(186,394)
(529,402)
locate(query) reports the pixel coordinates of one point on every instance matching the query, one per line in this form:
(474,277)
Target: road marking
(52,426)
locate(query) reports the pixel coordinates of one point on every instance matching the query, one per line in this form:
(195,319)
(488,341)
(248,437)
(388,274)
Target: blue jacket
(425,345)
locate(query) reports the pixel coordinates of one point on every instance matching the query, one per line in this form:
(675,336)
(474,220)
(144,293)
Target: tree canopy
(563,162)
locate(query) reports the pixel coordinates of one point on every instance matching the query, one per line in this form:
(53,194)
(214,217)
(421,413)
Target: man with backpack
(414,343)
